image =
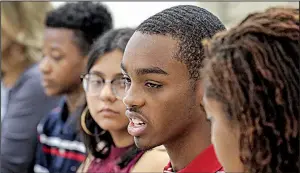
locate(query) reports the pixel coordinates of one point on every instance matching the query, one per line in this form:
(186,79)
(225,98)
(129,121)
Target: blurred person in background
(161,66)
(23,101)
(111,148)
(252,88)
(70,31)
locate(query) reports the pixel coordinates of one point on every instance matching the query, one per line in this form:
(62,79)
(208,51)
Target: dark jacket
(60,147)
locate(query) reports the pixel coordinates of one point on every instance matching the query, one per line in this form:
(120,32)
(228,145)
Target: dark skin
(162,93)
(62,65)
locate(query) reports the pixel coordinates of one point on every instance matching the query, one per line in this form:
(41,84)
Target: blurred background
(130,14)
(22,34)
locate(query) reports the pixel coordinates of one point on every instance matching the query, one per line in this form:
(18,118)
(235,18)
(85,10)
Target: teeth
(137,121)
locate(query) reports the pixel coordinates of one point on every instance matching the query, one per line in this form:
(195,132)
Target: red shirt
(206,162)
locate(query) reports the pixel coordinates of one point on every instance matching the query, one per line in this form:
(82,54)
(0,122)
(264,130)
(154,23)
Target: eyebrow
(144,71)
(151,70)
(100,74)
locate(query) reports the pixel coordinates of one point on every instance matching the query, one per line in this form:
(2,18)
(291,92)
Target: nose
(133,97)
(107,94)
(45,65)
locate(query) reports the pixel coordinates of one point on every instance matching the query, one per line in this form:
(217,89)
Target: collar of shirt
(70,120)
(206,161)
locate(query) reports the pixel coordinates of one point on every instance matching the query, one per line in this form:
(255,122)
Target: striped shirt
(60,147)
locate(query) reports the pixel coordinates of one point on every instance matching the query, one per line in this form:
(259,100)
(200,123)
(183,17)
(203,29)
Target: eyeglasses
(93,85)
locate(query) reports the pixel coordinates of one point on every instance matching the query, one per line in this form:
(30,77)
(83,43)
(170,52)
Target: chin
(142,144)
(51,93)
(108,126)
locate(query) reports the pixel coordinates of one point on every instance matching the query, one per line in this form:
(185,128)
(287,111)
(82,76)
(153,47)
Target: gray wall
(232,12)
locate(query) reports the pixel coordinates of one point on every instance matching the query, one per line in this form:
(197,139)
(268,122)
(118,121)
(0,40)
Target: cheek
(218,139)
(217,136)
(120,107)
(226,144)
(68,73)
(93,103)
(172,107)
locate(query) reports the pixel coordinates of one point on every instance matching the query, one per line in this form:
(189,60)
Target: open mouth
(136,122)
(136,126)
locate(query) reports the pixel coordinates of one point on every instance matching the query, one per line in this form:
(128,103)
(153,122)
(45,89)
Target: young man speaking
(161,66)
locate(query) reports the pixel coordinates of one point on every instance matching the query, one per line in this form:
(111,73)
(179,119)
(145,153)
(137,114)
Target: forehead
(58,37)
(109,62)
(144,50)
(150,48)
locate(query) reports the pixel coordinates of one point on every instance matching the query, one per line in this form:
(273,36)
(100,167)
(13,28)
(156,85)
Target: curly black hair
(109,41)
(189,25)
(89,20)
(253,70)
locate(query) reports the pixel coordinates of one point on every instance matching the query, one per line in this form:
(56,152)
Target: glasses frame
(84,80)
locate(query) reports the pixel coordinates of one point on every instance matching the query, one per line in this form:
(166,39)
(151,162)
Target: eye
(209,118)
(120,83)
(57,58)
(153,85)
(95,84)
(127,82)
(95,81)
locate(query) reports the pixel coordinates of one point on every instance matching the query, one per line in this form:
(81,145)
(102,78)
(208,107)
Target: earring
(83,124)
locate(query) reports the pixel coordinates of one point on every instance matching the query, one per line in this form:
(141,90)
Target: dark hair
(253,69)
(111,40)
(189,25)
(88,20)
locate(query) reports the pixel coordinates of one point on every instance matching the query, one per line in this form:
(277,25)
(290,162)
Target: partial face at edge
(161,102)
(5,40)
(224,137)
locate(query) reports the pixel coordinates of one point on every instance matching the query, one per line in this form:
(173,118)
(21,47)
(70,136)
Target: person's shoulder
(30,81)
(153,160)
(33,73)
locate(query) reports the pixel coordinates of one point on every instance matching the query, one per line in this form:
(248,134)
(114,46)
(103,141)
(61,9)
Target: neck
(75,99)
(121,138)
(189,145)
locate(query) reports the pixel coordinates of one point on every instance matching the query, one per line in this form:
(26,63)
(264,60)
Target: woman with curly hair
(252,93)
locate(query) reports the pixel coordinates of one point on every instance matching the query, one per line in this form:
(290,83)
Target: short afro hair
(89,20)
(189,25)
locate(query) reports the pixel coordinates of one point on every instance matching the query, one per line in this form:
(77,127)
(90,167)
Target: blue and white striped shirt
(60,147)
